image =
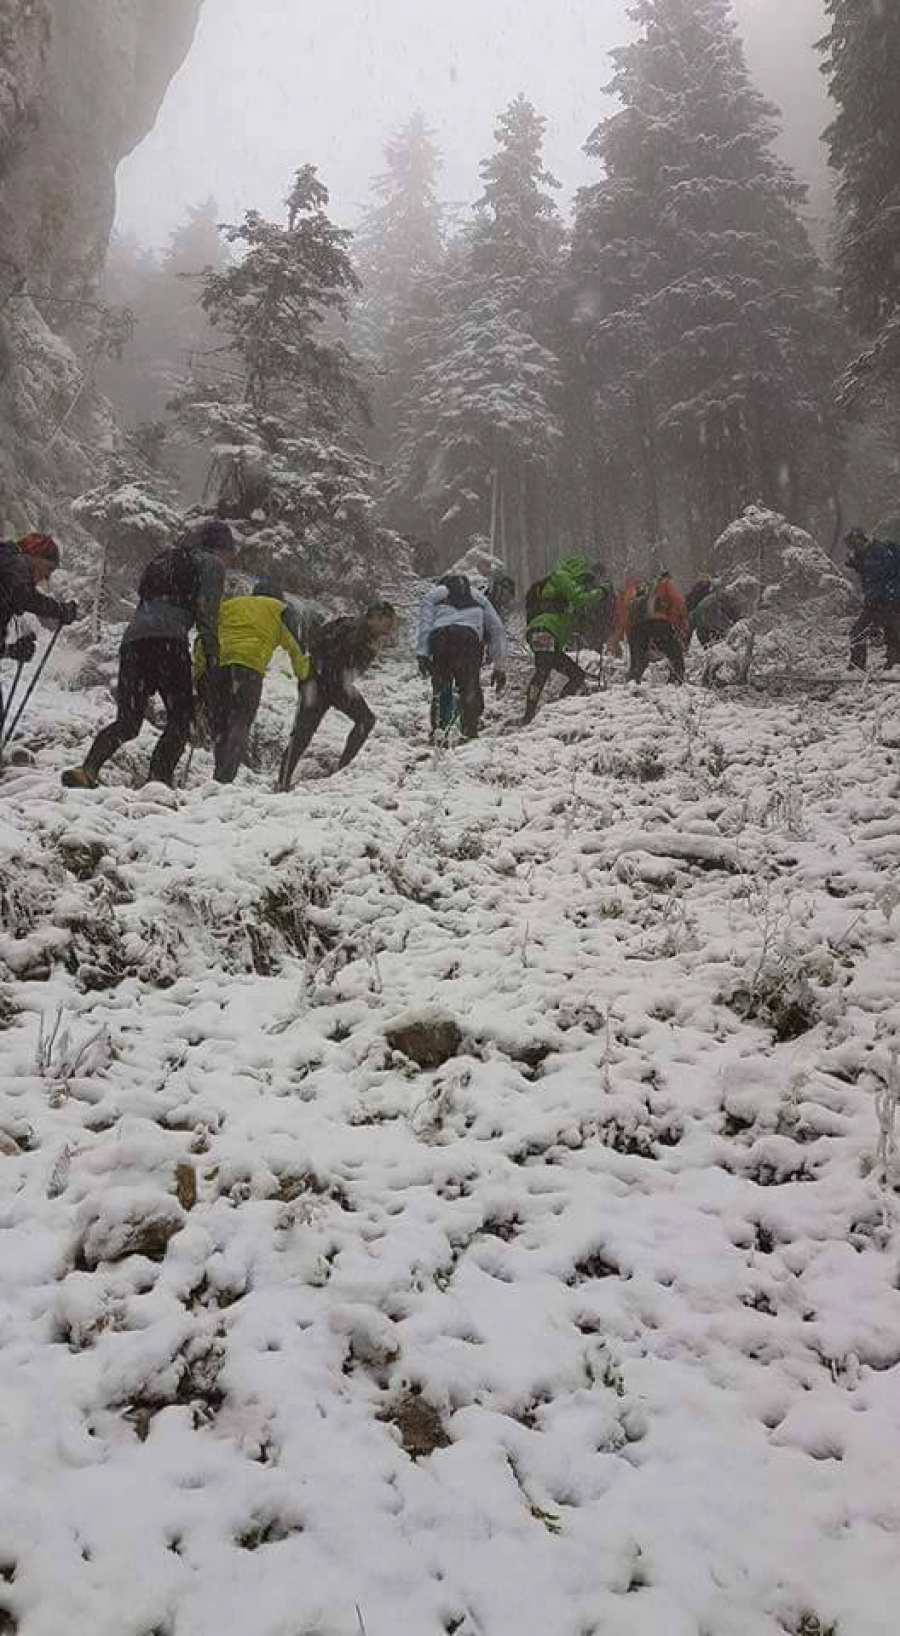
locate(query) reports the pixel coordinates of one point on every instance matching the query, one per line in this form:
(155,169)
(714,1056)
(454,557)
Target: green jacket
(565,597)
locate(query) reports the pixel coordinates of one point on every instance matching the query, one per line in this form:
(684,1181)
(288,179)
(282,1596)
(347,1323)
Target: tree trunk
(495,513)
(649,463)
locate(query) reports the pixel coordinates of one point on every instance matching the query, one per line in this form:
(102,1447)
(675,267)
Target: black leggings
(875,619)
(456,651)
(232,701)
(155,664)
(659,634)
(317,697)
(546,661)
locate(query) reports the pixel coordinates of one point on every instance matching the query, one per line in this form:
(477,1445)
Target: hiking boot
(80,778)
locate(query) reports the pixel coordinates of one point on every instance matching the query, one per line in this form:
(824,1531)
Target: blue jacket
(878,565)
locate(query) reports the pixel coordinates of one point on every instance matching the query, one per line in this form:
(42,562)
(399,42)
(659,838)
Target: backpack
(641,606)
(595,622)
(879,568)
(306,621)
(534,600)
(173,576)
(537,602)
(459,591)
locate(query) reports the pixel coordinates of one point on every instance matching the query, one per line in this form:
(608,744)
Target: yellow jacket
(250,629)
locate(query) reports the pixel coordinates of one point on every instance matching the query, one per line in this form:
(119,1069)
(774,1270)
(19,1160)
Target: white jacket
(437,613)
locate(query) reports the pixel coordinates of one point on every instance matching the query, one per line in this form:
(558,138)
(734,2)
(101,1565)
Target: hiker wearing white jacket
(455,624)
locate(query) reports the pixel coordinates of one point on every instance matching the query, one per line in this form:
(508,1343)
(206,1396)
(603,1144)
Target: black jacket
(18,592)
(342,648)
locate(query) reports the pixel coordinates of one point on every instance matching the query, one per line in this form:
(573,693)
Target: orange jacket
(623,609)
(666,602)
(669,604)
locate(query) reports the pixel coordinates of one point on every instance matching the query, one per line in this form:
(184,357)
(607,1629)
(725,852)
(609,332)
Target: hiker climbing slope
(181,588)
(25,565)
(557,610)
(340,650)
(251,628)
(455,623)
(653,616)
(877,563)
(711,610)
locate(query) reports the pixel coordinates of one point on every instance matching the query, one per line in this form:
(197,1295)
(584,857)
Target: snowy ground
(593,1329)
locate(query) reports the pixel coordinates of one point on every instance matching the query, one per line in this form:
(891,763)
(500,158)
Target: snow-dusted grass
(592,1328)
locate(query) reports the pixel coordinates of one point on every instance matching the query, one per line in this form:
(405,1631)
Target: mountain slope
(593,1326)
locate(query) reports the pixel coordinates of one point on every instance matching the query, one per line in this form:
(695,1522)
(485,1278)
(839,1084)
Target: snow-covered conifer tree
(283,416)
(699,303)
(862,60)
(481,421)
(399,243)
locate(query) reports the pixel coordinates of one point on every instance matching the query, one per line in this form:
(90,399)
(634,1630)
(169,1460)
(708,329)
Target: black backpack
(173,576)
(641,606)
(534,600)
(459,591)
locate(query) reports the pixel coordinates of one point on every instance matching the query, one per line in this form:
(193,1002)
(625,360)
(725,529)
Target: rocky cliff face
(81,82)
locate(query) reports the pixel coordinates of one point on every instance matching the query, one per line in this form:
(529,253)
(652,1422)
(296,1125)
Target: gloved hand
(68,613)
(23,650)
(498,681)
(426,666)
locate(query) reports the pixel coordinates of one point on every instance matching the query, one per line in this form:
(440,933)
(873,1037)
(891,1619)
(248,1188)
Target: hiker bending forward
(877,562)
(577,595)
(340,650)
(251,628)
(653,617)
(25,566)
(179,589)
(455,624)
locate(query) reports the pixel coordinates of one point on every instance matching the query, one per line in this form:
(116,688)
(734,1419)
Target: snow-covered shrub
(765,562)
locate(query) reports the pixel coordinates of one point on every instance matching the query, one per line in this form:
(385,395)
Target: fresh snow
(593,1330)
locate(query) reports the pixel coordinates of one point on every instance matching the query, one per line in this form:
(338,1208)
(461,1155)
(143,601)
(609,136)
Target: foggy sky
(272,84)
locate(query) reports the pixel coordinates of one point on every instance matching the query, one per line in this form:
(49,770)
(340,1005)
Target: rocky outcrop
(81,83)
(765,562)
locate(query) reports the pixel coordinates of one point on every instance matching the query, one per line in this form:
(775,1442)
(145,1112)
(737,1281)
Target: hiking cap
(42,546)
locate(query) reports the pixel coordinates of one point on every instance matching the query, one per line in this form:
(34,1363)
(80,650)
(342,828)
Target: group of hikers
(577,606)
(220,682)
(461,627)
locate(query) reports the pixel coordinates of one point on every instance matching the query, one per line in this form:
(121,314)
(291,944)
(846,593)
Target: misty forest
(449,823)
(621,376)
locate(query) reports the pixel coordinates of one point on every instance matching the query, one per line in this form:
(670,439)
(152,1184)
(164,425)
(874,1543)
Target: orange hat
(40,545)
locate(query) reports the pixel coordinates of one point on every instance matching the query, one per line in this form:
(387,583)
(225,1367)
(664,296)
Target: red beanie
(40,545)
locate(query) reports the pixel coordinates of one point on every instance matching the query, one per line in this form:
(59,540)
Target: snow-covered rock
(769,564)
(81,82)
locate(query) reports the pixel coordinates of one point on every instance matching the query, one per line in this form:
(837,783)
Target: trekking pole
(189,763)
(13,726)
(6,706)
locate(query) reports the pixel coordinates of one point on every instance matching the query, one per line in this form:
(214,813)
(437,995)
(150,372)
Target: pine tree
(862,61)
(481,425)
(196,243)
(701,317)
(170,327)
(274,300)
(284,421)
(399,244)
(401,237)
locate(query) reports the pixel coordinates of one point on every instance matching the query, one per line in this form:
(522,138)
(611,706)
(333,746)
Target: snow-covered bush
(765,562)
